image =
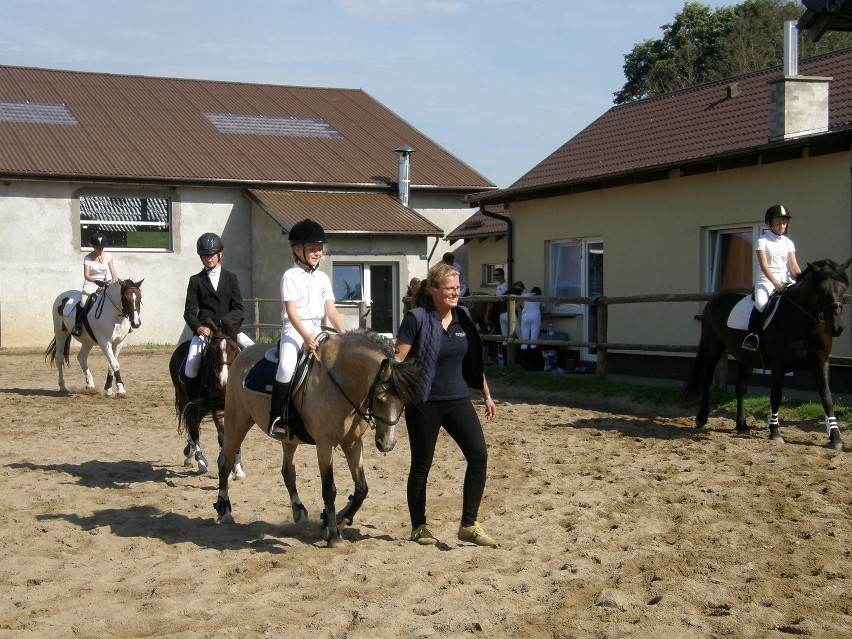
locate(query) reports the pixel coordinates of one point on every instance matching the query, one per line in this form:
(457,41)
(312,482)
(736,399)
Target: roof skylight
(285,126)
(35,112)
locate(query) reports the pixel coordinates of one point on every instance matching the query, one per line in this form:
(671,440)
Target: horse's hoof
(238,472)
(835,443)
(775,437)
(202,463)
(227,518)
(108,393)
(300,513)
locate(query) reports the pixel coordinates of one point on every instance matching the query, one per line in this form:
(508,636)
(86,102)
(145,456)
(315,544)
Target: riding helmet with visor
(98,240)
(774,211)
(209,244)
(307,231)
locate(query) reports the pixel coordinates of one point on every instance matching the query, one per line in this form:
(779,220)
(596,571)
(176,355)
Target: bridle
(365,409)
(819,316)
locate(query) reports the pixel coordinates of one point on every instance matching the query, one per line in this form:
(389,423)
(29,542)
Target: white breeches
(289,346)
(197,346)
(530,329)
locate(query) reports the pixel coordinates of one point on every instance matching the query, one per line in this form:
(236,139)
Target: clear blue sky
(499,83)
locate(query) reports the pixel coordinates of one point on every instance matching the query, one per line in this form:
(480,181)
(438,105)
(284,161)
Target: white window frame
(488,273)
(578,279)
(714,251)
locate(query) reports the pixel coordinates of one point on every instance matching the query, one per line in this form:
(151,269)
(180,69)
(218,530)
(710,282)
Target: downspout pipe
(510,252)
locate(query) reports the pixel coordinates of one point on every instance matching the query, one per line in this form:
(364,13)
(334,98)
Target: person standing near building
(450,260)
(530,326)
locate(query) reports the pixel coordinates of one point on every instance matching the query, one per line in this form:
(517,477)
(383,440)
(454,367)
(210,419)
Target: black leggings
(461,422)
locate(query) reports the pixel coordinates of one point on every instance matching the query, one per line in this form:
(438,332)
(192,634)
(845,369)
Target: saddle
(261,376)
(740,314)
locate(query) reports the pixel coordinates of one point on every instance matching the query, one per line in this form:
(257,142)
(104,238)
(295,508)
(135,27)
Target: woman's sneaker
(476,535)
(423,536)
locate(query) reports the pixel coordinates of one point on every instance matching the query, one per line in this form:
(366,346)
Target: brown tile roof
(481,225)
(146,128)
(676,129)
(344,212)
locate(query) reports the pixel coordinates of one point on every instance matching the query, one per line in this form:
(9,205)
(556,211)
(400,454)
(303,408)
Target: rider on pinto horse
(212,294)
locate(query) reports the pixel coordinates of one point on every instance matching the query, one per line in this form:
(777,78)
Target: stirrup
(278,429)
(77,330)
(751,342)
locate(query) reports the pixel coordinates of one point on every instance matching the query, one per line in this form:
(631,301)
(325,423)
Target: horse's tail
(50,353)
(696,376)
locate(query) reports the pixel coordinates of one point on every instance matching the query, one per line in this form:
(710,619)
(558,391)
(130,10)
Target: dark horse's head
(824,283)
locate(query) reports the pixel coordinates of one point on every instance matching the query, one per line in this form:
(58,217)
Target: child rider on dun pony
(306,297)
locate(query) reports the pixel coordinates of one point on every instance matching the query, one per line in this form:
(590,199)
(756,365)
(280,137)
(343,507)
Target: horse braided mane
(383,344)
(405,380)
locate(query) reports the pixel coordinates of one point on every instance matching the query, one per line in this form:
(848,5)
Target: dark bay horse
(216,359)
(109,320)
(808,316)
(353,383)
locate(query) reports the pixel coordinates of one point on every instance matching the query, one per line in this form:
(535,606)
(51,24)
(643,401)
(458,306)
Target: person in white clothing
(776,255)
(307,297)
(530,325)
(98,271)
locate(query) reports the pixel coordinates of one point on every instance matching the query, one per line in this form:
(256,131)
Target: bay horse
(352,383)
(110,318)
(799,336)
(216,359)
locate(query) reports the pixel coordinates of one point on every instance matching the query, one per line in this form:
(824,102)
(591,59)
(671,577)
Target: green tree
(703,44)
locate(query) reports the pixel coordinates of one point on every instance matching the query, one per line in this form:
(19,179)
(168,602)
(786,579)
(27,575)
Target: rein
(819,318)
(368,414)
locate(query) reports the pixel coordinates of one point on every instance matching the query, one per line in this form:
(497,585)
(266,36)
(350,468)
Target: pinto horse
(352,383)
(216,359)
(110,318)
(799,336)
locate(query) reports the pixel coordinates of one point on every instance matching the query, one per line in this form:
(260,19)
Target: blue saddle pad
(261,376)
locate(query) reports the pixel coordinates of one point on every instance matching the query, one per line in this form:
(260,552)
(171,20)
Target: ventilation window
(283,126)
(35,112)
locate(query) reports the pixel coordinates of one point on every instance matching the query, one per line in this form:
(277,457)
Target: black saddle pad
(260,379)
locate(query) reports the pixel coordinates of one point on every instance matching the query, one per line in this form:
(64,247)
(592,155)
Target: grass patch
(792,409)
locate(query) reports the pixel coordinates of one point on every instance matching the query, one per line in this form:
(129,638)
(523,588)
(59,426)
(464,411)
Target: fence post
(510,347)
(600,342)
(256,308)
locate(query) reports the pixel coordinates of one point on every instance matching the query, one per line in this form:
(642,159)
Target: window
(731,257)
(137,223)
(488,273)
(576,270)
(346,282)
(376,285)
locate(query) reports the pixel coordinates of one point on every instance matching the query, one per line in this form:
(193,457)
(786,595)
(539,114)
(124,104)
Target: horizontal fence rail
(602,304)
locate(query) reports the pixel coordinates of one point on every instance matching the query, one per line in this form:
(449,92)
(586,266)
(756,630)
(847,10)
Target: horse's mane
(828,267)
(383,344)
(405,379)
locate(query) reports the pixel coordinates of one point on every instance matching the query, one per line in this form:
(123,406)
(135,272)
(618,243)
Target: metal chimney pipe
(404,183)
(791,47)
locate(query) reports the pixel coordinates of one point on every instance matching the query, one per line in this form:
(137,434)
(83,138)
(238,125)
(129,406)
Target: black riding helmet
(777,210)
(209,244)
(307,231)
(98,240)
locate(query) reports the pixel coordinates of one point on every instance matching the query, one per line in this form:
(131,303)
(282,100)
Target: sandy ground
(614,522)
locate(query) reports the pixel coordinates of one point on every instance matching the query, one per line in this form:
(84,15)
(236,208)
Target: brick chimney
(798,104)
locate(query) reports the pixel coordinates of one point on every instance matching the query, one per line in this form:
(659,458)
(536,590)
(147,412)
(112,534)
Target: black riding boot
(193,389)
(277,413)
(78,320)
(752,340)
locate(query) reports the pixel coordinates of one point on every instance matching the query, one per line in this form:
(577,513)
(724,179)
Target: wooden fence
(602,304)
